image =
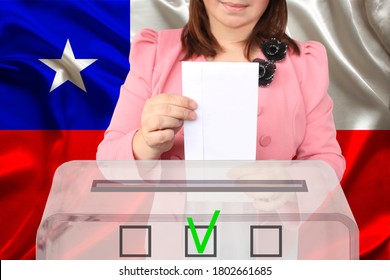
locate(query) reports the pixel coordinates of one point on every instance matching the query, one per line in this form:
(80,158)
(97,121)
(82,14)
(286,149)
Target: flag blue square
(36,29)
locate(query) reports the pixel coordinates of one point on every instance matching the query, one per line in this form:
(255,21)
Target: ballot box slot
(199,186)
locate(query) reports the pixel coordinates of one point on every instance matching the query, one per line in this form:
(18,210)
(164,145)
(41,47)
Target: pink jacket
(294,113)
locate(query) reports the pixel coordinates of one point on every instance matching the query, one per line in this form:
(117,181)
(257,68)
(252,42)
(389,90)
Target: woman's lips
(234,7)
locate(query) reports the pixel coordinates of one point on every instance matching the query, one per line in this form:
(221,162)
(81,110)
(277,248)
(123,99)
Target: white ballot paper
(227,96)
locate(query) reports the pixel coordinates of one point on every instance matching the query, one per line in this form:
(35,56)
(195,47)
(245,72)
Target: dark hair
(197,38)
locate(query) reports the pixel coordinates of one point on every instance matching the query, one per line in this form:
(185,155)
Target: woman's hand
(162,117)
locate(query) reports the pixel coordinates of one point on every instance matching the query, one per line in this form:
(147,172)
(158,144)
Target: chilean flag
(61,66)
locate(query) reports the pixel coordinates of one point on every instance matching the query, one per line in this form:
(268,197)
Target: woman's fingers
(170,105)
(173,111)
(173,99)
(160,139)
(158,122)
(162,117)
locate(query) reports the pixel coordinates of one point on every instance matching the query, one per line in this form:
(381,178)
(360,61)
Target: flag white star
(68,68)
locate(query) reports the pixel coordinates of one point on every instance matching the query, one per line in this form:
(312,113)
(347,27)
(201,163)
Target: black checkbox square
(190,248)
(130,238)
(266,241)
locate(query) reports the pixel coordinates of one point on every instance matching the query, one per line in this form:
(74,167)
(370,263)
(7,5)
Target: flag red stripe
(28,160)
(366,186)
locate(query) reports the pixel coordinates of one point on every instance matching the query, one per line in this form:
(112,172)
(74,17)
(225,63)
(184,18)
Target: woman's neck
(226,35)
(232,41)
(229,54)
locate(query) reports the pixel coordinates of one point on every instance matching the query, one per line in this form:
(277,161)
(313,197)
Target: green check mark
(200,247)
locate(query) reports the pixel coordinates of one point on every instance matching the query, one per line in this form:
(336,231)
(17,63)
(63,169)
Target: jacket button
(264,141)
(174,157)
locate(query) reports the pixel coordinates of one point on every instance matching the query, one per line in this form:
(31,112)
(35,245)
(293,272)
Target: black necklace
(275,51)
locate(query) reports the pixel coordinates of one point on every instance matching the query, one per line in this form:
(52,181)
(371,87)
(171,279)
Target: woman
(294,110)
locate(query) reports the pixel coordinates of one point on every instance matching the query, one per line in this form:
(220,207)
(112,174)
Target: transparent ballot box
(197,209)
